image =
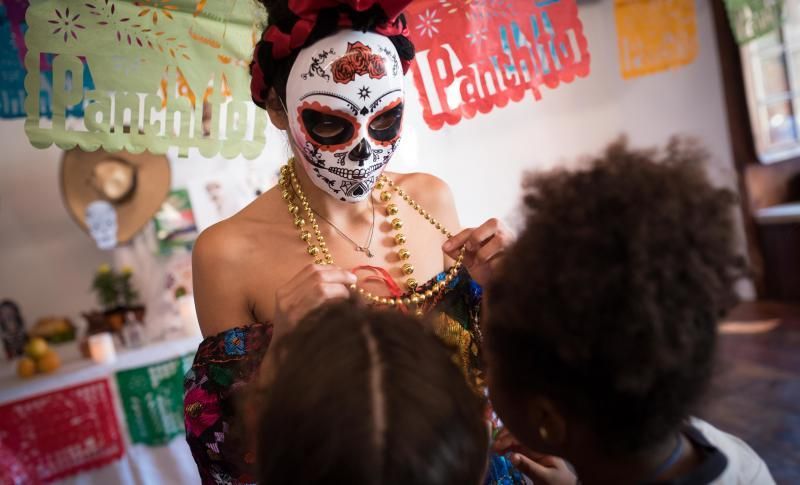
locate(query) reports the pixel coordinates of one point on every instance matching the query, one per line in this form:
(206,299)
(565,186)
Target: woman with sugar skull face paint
(331,74)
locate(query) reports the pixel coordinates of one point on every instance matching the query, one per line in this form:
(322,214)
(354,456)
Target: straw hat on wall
(134,184)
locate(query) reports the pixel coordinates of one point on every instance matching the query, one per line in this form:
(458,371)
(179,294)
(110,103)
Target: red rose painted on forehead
(343,72)
(376,69)
(358,60)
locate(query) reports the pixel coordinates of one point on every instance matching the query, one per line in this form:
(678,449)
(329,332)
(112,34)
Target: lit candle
(101,348)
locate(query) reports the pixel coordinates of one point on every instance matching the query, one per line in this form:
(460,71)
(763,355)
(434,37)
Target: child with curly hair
(602,324)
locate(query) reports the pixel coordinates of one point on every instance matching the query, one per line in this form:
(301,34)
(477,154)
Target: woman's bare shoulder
(431,193)
(229,241)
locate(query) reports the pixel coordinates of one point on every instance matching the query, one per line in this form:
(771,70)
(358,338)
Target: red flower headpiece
(283,43)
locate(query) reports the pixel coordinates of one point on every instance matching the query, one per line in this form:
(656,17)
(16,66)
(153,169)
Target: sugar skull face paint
(345,105)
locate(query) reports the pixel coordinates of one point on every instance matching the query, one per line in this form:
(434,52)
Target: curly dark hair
(608,302)
(276,71)
(364,396)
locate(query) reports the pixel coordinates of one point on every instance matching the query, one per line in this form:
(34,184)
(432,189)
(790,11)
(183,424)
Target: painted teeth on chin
(354,174)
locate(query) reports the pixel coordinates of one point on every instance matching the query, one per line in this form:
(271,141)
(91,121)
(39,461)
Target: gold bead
(397,224)
(418,312)
(408,269)
(427,216)
(286,195)
(404,254)
(428,294)
(416,206)
(406,197)
(323,244)
(313,251)
(353,287)
(422,297)
(375,299)
(411,283)
(415,299)
(392,302)
(406,301)
(384,301)
(293,209)
(362,290)
(284,169)
(305,235)
(319,261)
(401,193)
(437,226)
(380,185)
(282,180)
(392,209)
(400,238)
(386,196)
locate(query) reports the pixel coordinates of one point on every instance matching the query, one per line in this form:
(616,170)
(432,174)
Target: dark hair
(276,71)
(363,396)
(608,302)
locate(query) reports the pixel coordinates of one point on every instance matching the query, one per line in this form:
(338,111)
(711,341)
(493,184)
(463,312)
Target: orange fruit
(49,362)
(26,367)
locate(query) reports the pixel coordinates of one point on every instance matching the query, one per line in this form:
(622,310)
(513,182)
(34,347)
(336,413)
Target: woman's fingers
(316,274)
(490,250)
(452,246)
(309,288)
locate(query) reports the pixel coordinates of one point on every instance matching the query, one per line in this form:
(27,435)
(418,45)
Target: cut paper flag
(12,72)
(165,73)
(750,19)
(477,55)
(64,432)
(152,397)
(655,35)
(12,67)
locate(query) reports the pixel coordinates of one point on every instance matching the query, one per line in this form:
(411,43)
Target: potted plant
(106,287)
(128,295)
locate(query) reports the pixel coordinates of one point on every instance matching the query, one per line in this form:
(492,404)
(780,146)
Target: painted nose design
(360,153)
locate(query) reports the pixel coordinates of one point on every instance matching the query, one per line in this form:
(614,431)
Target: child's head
(602,320)
(362,396)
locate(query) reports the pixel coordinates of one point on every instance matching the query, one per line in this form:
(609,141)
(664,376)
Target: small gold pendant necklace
(362,249)
(317,248)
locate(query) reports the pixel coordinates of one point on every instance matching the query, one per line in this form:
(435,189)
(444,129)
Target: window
(771,65)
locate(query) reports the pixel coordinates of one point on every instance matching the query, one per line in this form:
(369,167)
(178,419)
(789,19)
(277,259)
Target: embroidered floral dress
(226,362)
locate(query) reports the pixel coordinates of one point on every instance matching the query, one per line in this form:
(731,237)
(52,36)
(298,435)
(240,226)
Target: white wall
(46,262)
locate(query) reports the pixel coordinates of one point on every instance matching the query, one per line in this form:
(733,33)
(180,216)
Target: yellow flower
(104,268)
(126,270)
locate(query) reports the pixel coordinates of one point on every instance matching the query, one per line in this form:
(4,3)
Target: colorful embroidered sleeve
(222,367)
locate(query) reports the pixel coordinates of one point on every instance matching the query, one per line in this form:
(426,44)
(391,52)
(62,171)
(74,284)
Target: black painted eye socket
(327,129)
(386,126)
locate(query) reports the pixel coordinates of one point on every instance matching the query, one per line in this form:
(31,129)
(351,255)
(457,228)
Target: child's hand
(542,469)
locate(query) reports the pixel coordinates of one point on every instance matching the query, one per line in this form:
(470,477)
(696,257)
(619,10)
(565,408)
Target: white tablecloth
(170,464)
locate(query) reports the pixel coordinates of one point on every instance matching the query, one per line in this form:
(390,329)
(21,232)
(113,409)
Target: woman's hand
(542,469)
(311,287)
(484,247)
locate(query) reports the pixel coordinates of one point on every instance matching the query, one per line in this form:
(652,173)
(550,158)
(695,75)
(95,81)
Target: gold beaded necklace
(296,200)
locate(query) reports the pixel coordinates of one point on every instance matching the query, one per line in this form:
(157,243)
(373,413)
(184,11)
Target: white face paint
(345,106)
(102,221)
